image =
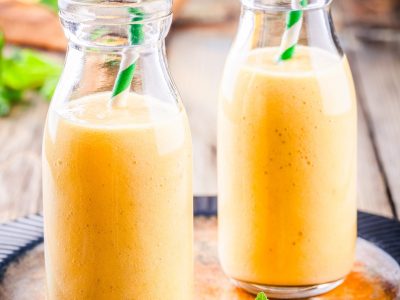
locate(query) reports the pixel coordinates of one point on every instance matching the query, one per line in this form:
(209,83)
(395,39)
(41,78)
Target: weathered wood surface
(371,13)
(375,275)
(197,47)
(377,71)
(371,193)
(20,162)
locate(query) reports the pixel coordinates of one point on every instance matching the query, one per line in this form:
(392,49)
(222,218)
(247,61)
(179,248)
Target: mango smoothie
(287,169)
(118,200)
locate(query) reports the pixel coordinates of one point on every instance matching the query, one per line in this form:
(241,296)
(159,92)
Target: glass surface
(286,157)
(117,176)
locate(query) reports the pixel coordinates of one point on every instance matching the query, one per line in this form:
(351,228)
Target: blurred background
(33,47)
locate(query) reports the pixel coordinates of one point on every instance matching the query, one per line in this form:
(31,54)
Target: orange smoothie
(287,169)
(118,200)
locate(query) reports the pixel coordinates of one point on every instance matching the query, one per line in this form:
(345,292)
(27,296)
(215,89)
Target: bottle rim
(285,5)
(106,12)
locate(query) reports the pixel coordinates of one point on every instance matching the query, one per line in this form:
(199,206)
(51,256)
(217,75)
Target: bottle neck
(264,28)
(103,36)
(95,70)
(88,70)
(260,28)
(111,37)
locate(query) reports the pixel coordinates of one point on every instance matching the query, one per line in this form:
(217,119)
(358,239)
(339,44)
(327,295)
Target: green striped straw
(291,36)
(128,63)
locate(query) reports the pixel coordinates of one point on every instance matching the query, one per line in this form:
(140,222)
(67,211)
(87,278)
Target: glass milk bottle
(117,160)
(287,152)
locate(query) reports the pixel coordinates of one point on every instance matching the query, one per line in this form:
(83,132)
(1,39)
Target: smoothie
(287,169)
(118,200)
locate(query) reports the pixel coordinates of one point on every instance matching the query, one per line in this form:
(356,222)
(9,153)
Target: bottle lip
(285,5)
(117,12)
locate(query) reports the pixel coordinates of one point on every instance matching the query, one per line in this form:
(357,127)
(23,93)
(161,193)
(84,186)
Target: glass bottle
(287,132)
(117,173)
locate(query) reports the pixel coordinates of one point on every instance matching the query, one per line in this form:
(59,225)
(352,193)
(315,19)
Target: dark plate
(21,235)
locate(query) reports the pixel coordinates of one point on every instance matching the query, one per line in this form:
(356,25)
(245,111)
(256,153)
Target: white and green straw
(128,63)
(291,36)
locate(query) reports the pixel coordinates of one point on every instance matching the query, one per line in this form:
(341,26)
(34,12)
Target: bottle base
(288,292)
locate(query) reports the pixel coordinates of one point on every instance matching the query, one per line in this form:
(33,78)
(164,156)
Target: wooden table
(199,41)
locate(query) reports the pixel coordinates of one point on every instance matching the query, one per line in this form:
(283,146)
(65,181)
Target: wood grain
(371,189)
(208,12)
(20,160)
(375,275)
(371,13)
(199,92)
(377,70)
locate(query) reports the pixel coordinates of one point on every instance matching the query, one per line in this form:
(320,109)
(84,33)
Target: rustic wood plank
(20,160)
(375,275)
(197,72)
(371,189)
(203,12)
(369,14)
(377,68)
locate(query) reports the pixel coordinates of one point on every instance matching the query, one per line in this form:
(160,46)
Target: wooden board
(377,72)
(20,161)
(371,192)
(369,14)
(375,275)
(199,93)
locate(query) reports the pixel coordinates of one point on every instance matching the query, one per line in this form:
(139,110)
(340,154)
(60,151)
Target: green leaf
(7,99)
(26,69)
(52,4)
(12,95)
(5,106)
(261,296)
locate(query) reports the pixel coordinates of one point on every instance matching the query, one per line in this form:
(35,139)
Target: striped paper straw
(291,36)
(128,63)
